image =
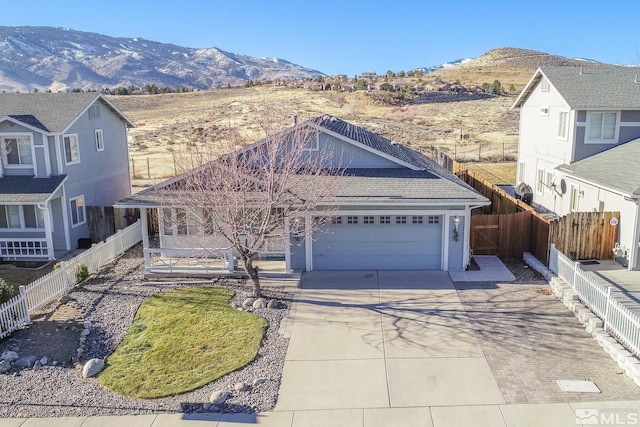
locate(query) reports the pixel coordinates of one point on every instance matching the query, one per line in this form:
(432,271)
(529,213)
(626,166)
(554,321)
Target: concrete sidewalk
(534,415)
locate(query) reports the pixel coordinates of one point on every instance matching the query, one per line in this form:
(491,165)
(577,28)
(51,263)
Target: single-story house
(396,209)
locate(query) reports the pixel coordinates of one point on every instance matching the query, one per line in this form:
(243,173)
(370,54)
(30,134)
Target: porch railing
(15,248)
(199,261)
(617,319)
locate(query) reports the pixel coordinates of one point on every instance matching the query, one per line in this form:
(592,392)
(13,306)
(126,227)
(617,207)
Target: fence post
(23,296)
(65,279)
(576,267)
(605,321)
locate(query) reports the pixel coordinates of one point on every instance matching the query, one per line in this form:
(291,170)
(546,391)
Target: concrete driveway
(382,339)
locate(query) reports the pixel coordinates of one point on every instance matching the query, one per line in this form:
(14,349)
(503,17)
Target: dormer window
(16,151)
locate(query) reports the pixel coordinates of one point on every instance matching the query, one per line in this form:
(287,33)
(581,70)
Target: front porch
(625,283)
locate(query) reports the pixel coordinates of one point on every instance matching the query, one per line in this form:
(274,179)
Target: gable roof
(421,180)
(615,169)
(52,112)
(28,189)
(590,88)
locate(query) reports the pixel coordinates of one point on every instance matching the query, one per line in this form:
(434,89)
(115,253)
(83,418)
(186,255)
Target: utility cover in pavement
(578,386)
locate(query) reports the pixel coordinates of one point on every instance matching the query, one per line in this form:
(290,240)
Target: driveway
(382,339)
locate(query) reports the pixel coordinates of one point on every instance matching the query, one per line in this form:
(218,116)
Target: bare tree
(241,199)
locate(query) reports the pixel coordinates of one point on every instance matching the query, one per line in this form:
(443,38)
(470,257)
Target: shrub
(82,272)
(6,291)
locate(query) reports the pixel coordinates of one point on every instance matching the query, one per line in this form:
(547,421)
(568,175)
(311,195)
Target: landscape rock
(218,397)
(258,381)
(92,368)
(260,303)
(248,302)
(206,406)
(9,356)
(85,332)
(26,361)
(44,360)
(241,386)
(5,366)
(274,304)
(37,365)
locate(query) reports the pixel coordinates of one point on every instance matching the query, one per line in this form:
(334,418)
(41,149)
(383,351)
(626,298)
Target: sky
(353,36)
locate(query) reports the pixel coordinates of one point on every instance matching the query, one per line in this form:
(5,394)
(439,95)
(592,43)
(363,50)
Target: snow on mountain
(434,68)
(61,58)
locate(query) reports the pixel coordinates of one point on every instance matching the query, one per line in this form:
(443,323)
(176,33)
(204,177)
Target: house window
(71,149)
(181,221)
(540,181)
(77,210)
(549,179)
(167,223)
(99,140)
(602,127)
(94,111)
(33,217)
(563,125)
(434,219)
(336,220)
(401,220)
(385,220)
(416,220)
(313,144)
(368,220)
(18,150)
(544,85)
(209,227)
(575,198)
(352,220)
(521,169)
(10,216)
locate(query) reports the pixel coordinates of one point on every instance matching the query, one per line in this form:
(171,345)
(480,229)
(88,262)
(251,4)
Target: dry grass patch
(495,173)
(181,340)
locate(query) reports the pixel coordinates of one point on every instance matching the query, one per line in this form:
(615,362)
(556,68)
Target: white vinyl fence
(15,312)
(618,320)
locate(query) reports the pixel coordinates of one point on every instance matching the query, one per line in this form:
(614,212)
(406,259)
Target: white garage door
(394,242)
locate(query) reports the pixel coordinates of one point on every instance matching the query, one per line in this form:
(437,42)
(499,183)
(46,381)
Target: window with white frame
(401,220)
(368,220)
(313,144)
(16,151)
(602,127)
(352,220)
(563,125)
(78,216)
(540,181)
(434,219)
(544,85)
(575,198)
(385,219)
(336,220)
(94,111)
(521,170)
(99,140)
(548,179)
(21,217)
(71,149)
(416,220)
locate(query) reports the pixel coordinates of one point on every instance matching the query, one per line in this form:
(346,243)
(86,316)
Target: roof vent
(334,119)
(326,117)
(394,142)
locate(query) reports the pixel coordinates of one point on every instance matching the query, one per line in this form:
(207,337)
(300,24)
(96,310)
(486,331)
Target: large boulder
(218,397)
(26,361)
(92,368)
(260,303)
(9,356)
(5,366)
(248,302)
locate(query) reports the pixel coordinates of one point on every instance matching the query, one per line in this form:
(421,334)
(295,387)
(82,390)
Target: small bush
(82,272)
(6,291)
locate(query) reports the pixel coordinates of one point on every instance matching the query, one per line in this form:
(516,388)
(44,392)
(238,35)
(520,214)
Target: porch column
(287,245)
(308,243)
(47,229)
(145,232)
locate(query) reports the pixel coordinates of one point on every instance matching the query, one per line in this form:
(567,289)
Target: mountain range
(62,59)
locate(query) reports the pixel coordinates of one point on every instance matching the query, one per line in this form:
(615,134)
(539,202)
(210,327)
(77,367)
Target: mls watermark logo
(607,417)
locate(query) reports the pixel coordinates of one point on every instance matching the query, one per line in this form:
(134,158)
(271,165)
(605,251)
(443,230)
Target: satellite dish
(563,186)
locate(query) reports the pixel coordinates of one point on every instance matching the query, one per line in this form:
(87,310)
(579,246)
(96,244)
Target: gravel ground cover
(109,302)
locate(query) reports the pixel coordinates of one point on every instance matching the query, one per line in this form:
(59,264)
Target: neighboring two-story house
(578,146)
(59,153)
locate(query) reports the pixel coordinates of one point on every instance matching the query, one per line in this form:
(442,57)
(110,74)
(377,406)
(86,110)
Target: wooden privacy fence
(507,236)
(585,235)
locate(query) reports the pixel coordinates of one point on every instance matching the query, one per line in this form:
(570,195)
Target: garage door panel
(378,246)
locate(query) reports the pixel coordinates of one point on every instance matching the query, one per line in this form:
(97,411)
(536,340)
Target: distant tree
(401,73)
(419,73)
(390,74)
(512,89)
(362,84)
(151,89)
(411,73)
(320,79)
(497,87)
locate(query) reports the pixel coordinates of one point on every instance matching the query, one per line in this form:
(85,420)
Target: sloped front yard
(109,302)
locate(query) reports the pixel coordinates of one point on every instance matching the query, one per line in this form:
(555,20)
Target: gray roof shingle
(592,88)
(27,189)
(616,168)
(51,112)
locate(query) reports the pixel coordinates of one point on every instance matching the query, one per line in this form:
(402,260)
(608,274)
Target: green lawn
(181,340)
(17,277)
